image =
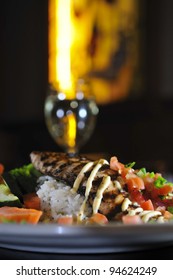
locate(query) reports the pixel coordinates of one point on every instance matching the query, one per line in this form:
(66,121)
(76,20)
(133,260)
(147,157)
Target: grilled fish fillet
(66,169)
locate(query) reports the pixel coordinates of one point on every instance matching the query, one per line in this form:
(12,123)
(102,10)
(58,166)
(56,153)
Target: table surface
(161,253)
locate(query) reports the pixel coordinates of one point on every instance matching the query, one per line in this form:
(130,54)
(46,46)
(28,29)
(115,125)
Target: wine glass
(70,121)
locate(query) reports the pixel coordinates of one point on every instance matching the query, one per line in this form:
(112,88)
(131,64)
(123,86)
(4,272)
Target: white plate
(51,238)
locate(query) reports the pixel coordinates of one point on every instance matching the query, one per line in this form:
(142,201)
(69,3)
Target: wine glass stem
(71,152)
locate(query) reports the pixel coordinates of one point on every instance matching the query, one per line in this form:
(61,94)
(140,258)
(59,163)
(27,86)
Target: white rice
(57,199)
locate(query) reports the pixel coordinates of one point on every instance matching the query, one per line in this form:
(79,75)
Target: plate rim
(84,239)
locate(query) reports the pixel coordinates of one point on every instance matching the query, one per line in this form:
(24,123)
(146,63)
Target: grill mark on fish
(68,173)
(66,169)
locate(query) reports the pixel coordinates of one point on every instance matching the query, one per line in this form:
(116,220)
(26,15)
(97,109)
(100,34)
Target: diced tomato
(148,181)
(164,190)
(137,196)
(31,200)
(116,165)
(168,215)
(147,205)
(157,175)
(166,202)
(98,218)
(65,220)
(155,192)
(1,168)
(135,183)
(127,219)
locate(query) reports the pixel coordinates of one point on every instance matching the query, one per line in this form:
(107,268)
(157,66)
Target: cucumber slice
(7,198)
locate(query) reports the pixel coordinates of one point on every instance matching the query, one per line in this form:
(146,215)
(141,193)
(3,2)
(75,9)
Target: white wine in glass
(70,121)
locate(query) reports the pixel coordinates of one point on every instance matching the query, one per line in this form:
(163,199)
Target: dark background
(136,129)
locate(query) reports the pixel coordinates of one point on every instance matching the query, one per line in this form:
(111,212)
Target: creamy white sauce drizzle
(92,176)
(147,215)
(125,204)
(133,212)
(99,195)
(80,176)
(117,185)
(104,184)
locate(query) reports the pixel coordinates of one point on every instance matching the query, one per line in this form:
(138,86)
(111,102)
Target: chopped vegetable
(1,168)
(170,209)
(65,220)
(116,165)
(135,219)
(31,200)
(149,190)
(135,183)
(168,215)
(98,219)
(159,182)
(147,205)
(137,196)
(131,164)
(151,174)
(142,172)
(18,215)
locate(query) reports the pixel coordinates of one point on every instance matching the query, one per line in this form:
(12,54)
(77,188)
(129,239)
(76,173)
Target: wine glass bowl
(70,121)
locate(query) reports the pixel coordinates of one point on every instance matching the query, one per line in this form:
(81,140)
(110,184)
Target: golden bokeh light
(94,39)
